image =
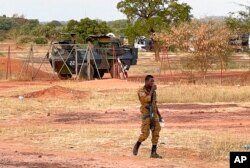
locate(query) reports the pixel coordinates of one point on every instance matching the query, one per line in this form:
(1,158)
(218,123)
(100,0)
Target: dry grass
(113,140)
(124,98)
(145,65)
(204,94)
(208,145)
(81,138)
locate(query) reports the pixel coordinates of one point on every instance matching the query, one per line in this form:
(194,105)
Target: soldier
(150,121)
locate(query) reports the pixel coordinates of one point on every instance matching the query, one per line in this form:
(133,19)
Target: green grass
(234,65)
(1,54)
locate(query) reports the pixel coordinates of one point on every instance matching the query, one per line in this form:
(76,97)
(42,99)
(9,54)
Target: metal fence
(176,68)
(31,62)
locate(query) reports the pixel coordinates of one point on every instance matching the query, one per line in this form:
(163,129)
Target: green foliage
(23,30)
(1,54)
(29,27)
(118,27)
(2,38)
(2,35)
(50,33)
(240,21)
(40,40)
(6,24)
(25,39)
(149,16)
(19,20)
(87,27)
(18,27)
(54,24)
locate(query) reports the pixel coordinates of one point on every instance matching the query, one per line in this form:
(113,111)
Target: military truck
(107,56)
(240,42)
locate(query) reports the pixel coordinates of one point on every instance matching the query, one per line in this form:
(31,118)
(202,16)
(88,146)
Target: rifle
(151,114)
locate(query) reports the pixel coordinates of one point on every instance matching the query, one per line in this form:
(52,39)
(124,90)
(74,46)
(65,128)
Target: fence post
(32,62)
(8,64)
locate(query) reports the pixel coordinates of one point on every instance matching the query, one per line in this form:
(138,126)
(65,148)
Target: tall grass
(204,94)
(210,145)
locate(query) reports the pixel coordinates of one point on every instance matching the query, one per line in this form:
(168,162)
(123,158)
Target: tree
(6,24)
(29,26)
(20,20)
(51,33)
(206,41)
(87,27)
(149,16)
(118,27)
(54,24)
(72,26)
(239,22)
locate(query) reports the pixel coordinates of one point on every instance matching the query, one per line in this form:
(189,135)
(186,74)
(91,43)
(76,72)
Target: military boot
(154,154)
(136,148)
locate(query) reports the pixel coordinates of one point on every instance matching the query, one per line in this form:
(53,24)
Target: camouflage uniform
(145,100)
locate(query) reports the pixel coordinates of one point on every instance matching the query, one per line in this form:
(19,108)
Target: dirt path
(14,155)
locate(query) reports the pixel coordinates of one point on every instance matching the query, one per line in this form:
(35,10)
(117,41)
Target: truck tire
(83,74)
(101,72)
(64,76)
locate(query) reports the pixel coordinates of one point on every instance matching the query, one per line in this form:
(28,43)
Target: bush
(40,40)
(2,38)
(1,54)
(25,39)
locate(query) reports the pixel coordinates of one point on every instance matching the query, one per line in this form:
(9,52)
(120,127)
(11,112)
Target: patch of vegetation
(203,94)
(2,38)
(25,39)
(235,65)
(1,54)
(40,40)
(210,145)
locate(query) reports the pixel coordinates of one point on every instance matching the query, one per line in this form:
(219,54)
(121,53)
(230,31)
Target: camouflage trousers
(145,131)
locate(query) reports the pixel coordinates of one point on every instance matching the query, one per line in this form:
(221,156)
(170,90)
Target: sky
(64,10)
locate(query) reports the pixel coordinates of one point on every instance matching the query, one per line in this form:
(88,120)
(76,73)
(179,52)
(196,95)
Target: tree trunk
(157,51)
(221,69)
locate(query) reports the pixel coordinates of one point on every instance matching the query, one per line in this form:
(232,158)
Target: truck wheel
(83,74)
(64,76)
(115,71)
(101,72)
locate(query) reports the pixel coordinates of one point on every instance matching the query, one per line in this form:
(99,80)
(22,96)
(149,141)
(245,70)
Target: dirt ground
(48,124)
(18,151)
